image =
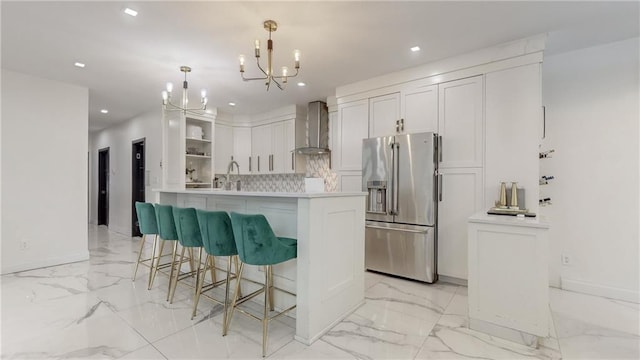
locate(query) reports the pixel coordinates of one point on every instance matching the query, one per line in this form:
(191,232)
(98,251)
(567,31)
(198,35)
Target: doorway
(137,182)
(103,186)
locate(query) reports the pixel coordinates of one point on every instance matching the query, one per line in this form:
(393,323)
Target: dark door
(103,187)
(137,183)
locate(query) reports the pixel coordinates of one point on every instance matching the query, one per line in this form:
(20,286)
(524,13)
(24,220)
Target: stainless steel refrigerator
(400,175)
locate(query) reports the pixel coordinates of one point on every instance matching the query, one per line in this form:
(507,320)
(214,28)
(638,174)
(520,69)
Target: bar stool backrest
(256,242)
(217,233)
(166,224)
(146,218)
(187,227)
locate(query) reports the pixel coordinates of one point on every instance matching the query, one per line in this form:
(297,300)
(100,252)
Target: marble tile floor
(92,309)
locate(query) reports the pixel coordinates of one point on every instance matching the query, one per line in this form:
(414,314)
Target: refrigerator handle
(396,174)
(439,148)
(439,187)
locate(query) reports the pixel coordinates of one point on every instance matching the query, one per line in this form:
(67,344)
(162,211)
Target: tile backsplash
(317,166)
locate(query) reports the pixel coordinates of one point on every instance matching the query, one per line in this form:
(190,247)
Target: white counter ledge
(535,222)
(328,274)
(261,193)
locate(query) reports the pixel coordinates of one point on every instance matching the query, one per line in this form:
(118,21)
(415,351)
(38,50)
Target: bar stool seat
(258,245)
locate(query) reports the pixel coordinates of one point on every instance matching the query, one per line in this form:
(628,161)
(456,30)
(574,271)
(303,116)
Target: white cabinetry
(242,148)
(514,116)
(272,148)
(460,122)
(419,109)
(352,128)
(384,115)
(224,147)
(508,277)
(461,191)
(260,149)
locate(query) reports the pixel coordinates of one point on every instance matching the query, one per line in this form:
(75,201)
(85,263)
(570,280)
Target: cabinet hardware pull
(397,126)
(292,161)
(401,124)
(249,163)
(258,163)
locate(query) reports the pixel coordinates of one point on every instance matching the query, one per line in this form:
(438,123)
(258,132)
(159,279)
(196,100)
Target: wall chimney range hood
(316,130)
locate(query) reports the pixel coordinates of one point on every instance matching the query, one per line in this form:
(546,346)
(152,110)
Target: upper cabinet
(223,147)
(351,128)
(242,148)
(460,122)
(412,110)
(419,109)
(272,148)
(384,115)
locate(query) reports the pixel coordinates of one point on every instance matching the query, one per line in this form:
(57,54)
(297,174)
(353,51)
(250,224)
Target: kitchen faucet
(229,168)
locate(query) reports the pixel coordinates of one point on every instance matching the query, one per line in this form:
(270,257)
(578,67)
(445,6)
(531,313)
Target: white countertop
(261,193)
(484,218)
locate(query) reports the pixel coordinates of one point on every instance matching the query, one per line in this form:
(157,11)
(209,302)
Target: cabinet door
(289,156)
(384,112)
(349,181)
(277,148)
(353,126)
(260,149)
(460,122)
(420,109)
(242,148)
(223,145)
(462,193)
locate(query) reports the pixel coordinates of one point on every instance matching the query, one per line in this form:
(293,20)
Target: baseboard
(600,290)
(42,263)
(452,280)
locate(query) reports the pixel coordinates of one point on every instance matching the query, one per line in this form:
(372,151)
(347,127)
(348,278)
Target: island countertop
(304,195)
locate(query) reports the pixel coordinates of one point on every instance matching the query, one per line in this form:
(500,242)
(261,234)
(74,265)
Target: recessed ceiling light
(104,111)
(415,48)
(232,104)
(301,84)
(130,12)
(78,64)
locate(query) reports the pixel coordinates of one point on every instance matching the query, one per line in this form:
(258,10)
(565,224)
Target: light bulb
(169,87)
(296,55)
(165,96)
(284,71)
(203,93)
(257,44)
(241,58)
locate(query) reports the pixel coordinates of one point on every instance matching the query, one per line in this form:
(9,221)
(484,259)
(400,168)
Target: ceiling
(130,59)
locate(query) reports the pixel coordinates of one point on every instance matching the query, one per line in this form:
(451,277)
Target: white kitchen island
(328,274)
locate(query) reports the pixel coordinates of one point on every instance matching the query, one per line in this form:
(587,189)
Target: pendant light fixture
(183,106)
(269,77)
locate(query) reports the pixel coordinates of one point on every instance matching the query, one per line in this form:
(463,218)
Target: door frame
(106,171)
(135,230)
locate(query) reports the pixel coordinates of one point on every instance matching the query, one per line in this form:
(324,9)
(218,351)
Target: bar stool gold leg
(144,238)
(199,283)
(226,295)
(152,274)
(225,327)
(176,275)
(153,260)
(173,265)
(270,288)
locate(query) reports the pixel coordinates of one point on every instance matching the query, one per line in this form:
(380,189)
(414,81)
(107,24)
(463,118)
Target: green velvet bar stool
(258,245)
(189,238)
(148,226)
(166,232)
(217,240)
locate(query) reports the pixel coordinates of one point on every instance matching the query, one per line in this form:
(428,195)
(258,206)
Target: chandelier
(269,77)
(184,103)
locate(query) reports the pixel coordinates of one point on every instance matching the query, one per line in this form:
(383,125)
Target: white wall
(44,172)
(119,140)
(592,113)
